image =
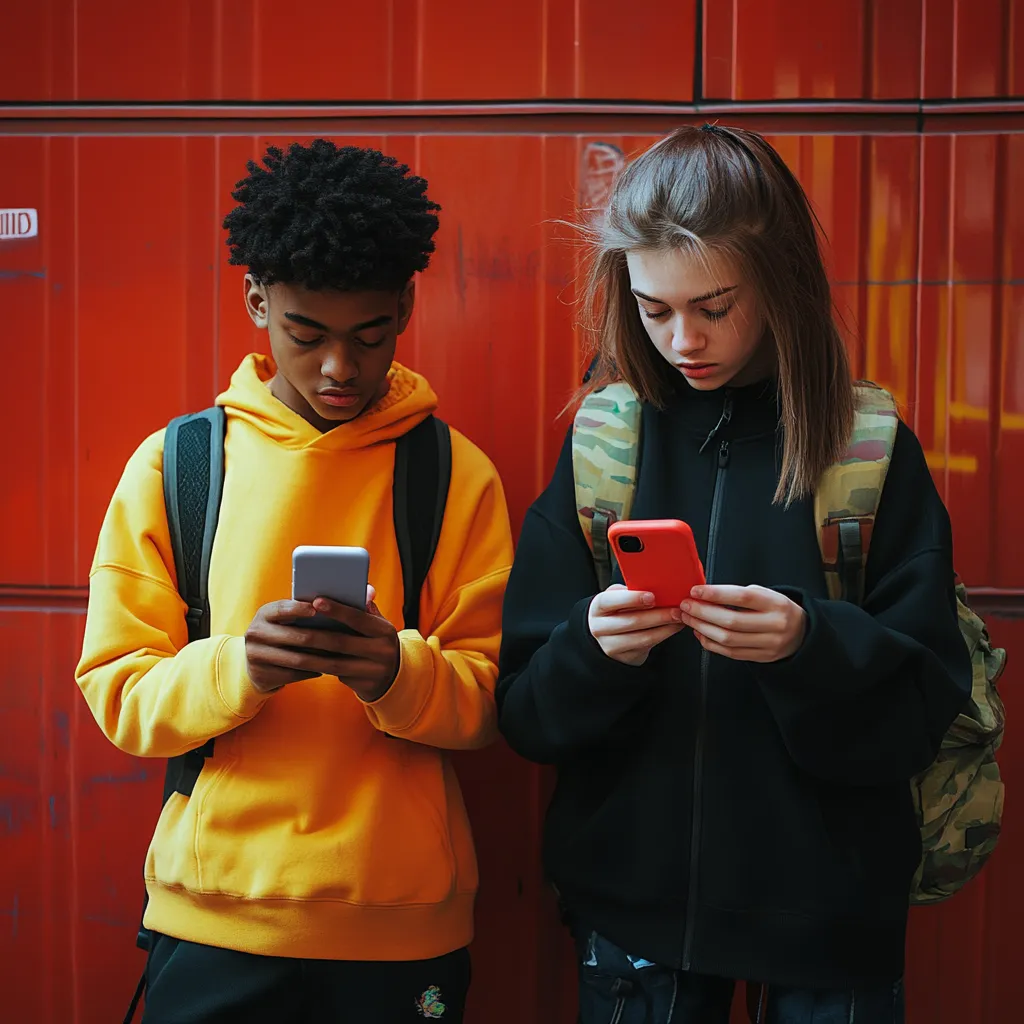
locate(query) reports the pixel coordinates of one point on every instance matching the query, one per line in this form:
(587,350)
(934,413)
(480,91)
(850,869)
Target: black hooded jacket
(746,820)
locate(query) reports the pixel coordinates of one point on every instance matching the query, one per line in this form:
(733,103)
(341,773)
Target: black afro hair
(328,217)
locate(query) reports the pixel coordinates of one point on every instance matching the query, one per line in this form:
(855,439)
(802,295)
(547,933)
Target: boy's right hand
(272,645)
(626,625)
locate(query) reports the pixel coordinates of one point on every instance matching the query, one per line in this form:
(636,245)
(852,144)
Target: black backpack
(193,471)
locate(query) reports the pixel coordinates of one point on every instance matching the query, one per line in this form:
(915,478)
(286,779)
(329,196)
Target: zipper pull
(727,408)
(723,455)
(723,421)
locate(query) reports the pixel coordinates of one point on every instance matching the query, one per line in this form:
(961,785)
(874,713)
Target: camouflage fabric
(849,491)
(959,798)
(605,448)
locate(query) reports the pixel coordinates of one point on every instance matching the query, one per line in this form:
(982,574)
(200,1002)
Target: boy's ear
(406,301)
(256,304)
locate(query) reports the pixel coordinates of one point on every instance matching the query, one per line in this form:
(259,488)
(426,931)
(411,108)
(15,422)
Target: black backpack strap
(193,471)
(423,471)
(193,485)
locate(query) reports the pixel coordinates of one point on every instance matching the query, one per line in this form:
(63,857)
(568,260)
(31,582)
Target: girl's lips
(697,369)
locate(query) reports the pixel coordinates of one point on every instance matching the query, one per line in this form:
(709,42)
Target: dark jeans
(618,989)
(192,984)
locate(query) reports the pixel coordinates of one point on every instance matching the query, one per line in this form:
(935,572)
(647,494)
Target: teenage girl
(732,798)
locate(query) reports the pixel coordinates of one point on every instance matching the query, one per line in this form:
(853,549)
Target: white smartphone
(337,574)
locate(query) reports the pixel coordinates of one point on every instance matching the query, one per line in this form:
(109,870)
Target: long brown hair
(726,191)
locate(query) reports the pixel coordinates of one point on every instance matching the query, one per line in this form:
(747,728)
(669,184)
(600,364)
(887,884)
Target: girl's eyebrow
(692,302)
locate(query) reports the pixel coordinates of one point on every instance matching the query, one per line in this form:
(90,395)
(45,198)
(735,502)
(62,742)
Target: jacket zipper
(705,659)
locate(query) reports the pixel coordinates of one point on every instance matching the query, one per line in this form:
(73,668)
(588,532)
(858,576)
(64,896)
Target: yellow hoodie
(310,833)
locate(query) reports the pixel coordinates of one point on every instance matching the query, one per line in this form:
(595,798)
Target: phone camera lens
(631,545)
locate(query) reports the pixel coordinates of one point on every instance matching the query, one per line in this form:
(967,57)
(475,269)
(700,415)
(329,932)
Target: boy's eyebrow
(306,321)
(692,302)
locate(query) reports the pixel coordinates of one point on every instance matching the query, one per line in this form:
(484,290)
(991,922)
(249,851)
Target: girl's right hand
(626,625)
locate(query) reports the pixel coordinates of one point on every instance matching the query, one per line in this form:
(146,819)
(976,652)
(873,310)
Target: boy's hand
(281,649)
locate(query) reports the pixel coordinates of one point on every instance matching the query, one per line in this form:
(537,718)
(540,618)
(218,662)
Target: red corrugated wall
(125,127)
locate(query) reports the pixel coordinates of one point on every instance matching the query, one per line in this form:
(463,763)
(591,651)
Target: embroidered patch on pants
(429,1004)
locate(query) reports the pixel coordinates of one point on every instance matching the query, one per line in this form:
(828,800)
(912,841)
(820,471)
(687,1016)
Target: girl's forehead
(677,277)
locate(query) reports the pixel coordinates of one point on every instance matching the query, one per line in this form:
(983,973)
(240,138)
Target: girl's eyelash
(711,314)
(716,314)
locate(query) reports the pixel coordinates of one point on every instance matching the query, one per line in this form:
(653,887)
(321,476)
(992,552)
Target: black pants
(618,989)
(192,984)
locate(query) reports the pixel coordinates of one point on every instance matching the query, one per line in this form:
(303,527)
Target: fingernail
(677,615)
(697,592)
(648,599)
(686,606)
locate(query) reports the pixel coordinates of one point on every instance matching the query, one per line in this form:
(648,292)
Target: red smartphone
(658,556)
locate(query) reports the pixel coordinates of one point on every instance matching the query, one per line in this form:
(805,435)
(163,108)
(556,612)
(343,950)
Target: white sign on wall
(19,224)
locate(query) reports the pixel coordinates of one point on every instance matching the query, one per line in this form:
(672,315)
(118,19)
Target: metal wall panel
(123,313)
(194,50)
(115,50)
(973,49)
(853,49)
(140,319)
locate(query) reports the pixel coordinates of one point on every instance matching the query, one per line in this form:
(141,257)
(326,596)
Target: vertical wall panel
(972,336)
(1009,482)
(24,299)
(339,51)
(972,48)
(134,318)
(890,265)
(74,821)
(126,51)
(658,39)
(769,55)
(931,408)
(831,172)
(796,49)
(39,51)
(999,990)
(467,50)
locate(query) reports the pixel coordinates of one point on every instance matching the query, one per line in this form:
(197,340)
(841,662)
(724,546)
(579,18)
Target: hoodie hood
(409,400)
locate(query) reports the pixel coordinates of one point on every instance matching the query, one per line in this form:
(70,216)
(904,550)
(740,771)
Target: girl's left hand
(745,623)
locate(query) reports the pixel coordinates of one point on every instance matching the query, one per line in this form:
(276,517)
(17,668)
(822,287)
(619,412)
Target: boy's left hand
(366,662)
(745,623)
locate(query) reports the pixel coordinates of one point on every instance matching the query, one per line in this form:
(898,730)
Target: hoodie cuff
(400,708)
(235,687)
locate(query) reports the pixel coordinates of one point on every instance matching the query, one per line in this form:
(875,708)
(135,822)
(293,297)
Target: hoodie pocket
(372,830)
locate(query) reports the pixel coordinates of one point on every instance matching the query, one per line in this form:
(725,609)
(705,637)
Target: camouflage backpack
(959,799)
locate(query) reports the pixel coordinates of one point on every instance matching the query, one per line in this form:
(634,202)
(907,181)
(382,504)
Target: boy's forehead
(330,308)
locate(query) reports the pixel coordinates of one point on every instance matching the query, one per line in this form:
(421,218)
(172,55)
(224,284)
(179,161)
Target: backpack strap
(423,470)
(846,501)
(605,466)
(193,472)
(193,484)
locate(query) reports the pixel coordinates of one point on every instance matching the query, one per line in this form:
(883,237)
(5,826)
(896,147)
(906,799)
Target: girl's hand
(745,623)
(626,624)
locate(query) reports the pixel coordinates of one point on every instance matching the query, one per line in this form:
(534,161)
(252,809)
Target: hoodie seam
(453,599)
(247,897)
(126,570)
